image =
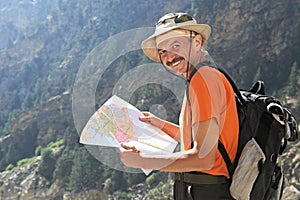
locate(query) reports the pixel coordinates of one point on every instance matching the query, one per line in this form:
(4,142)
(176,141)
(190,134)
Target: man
(208,112)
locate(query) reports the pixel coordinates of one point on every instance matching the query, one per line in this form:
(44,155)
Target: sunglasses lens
(183,18)
(177,19)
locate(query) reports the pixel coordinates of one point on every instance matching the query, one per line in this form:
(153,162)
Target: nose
(168,57)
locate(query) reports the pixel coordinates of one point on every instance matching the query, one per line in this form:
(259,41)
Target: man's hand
(152,119)
(130,156)
(130,148)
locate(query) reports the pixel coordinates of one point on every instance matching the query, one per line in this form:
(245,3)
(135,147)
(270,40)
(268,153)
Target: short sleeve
(207,95)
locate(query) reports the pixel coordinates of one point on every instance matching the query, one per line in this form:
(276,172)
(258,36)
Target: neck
(200,57)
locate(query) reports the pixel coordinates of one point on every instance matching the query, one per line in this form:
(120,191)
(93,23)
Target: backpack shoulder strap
(239,98)
(201,64)
(223,71)
(240,102)
(225,156)
(235,88)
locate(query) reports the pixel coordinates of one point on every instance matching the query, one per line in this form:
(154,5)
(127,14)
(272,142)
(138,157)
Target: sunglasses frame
(178,18)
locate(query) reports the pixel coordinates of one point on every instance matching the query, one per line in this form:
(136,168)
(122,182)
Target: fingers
(131,148)
(146,118)
(194,150)
(152,119)
(146,113)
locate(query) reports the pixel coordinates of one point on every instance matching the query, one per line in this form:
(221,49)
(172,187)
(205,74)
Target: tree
(86,171)
(135,178)
(118,181)
(47,166)
(293,80)
(257,75)
(10,155)
(162,191)
(70,137)
(63,167)
(28,102)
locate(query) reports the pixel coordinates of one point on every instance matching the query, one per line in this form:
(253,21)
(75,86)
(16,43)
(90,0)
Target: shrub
(48,163)
(9,167)
(38,151)
(23,161)
(46,153)
(58,143)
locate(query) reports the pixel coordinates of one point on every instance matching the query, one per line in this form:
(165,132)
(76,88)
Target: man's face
(174,53)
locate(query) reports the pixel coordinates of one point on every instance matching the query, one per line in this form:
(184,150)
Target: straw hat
(170,22)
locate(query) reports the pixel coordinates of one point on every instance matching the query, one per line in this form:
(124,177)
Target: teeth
(176,63)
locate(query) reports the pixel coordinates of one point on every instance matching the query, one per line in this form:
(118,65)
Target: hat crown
(175,19)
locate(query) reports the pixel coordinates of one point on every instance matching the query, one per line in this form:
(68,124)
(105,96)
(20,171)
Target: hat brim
(149,44)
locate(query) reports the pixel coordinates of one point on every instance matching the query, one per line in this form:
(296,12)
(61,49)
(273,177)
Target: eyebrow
(176,41)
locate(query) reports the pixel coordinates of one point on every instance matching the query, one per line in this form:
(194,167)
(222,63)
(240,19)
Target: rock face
(291,170)
(33,128)
(25,183)
(242,30)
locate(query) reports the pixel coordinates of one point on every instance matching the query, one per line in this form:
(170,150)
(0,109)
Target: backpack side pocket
(247,170)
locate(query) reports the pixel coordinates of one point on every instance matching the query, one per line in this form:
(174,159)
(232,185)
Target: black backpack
(271,125)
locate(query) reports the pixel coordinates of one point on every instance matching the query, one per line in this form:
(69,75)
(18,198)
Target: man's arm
(168,127)
(201,157)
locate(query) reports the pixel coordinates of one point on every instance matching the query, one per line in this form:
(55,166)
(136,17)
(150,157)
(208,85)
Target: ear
(198,40)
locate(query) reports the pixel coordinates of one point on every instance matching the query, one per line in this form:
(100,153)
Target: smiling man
(208,112)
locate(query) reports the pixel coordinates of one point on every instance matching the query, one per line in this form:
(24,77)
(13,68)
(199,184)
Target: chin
(178,73)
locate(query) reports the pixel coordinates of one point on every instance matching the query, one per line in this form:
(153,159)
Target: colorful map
(117,121)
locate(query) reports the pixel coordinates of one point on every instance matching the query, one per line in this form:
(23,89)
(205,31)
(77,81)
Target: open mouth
(175,62)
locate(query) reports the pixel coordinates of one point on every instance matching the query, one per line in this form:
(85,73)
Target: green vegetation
(38,151)
(56,144)
(9,119)
(24,161)
(63,167)
(10,154)
(86,173)
(294,80)
(156,178)
(48,163)
(162,191)
(9,167)
(122,195)
(46,153)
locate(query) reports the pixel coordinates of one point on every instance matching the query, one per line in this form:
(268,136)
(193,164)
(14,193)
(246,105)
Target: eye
(161,51)
(175,46)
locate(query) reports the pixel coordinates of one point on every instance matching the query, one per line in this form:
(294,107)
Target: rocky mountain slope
(43,43)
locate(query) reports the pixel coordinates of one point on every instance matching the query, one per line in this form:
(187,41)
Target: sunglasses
(178,18)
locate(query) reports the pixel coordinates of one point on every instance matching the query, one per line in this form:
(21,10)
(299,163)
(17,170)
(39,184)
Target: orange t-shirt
(211,96)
